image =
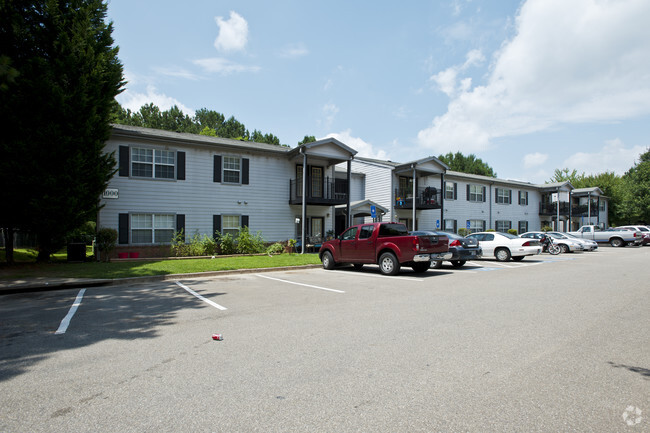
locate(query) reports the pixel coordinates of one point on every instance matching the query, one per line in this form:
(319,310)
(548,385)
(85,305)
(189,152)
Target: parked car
(387,244)
(568,245)
(642,234)
(587,244)
(504,246)
(461,248)
(615,237)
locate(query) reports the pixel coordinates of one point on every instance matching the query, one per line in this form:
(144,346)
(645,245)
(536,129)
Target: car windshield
(509,236)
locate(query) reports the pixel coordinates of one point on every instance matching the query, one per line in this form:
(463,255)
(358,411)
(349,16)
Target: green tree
(307,139)
(205,118)
(637,190)
(562,175)
(55,115)
(467,164)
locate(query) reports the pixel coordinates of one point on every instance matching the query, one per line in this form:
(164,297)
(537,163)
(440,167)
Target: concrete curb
(57,284)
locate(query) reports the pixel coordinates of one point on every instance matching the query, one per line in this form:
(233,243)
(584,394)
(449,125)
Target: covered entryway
(358,209)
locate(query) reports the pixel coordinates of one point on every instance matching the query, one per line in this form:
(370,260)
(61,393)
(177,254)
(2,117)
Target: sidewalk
(38,284)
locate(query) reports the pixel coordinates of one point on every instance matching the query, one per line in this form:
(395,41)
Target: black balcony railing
(551,208)
(319,191)
(425,198)
(580,210)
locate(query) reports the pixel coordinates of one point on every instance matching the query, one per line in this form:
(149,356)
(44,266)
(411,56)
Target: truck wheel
(502,254)
(328,261)
(421,267)
(388,264)
(616,242)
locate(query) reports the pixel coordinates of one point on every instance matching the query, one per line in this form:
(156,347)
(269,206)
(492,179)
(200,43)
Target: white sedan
(504,246)
(587,244)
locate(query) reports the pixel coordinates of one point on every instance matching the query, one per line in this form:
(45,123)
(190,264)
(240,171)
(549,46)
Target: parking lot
(552,343)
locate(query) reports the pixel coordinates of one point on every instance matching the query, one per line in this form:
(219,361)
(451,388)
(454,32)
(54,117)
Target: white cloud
(535,159)
(570,62)
(233,33)
(294,50)
(176,72)
(223,66)
(134,100)
(363,148)
(447,79)
(329,112)
(613,156)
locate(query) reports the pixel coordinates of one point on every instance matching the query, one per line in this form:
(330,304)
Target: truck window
(350,234)
(586,229)
(392,230)
(366,232)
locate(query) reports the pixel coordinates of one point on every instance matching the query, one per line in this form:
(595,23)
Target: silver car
(567,244)
(587,244)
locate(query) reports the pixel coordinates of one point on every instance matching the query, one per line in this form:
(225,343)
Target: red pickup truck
(387,244)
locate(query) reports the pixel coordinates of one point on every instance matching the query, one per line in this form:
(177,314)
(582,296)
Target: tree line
(204,122)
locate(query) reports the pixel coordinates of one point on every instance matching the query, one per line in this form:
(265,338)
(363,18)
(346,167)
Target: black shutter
(217,168)
(496,195)
(244,172)
(216,225)
(526,198)
(484,225)
(509,196)
(123,229)
(467,192)
(244,220)
(455,226)
(124,161)
(455,191)
(180,224)
(484,195)
(180,165)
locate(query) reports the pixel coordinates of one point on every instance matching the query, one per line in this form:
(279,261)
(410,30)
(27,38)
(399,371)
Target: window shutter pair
(216,224)
(216,170)
(124,160)
(123,227)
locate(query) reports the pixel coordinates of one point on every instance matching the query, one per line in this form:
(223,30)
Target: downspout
(598,213)
(304,200)
(413,199)
(490,211)
(347,207)
(570,213)
(589,207)
(443,190)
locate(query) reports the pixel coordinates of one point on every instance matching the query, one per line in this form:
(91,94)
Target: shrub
(513,232)
(106,241)
(547,229)
(248,243)
(276,248)
(490,230)
(463,231)
(178,246)
(226,243)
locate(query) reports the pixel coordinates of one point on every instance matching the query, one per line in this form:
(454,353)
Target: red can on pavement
(217,337)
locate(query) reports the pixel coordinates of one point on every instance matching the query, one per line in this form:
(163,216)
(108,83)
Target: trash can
(76,252)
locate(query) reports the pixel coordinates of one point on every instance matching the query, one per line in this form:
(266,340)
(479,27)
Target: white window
(450,226)
(450,190)
(503,196)
(231,169)
(230,225)
(502,226)
(476,226)
(154,163)
(602,206)
(152,228)
(523,227)
(475,193)
(523,198)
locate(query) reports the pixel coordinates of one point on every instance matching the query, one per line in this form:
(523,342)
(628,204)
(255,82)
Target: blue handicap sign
(437,224)
(373,211)
(467,225)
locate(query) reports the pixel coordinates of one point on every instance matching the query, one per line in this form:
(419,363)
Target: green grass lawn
(26,267)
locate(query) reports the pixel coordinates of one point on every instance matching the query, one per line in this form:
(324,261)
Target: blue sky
(527,86)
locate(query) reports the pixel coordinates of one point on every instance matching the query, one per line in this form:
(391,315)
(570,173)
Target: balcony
(320,192)
(425,198)
(551,208)
(582,210)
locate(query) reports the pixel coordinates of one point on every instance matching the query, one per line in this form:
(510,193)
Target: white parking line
(367,274)
(214,304)
(300,284)
(66,320)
